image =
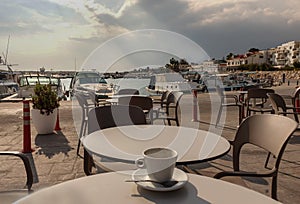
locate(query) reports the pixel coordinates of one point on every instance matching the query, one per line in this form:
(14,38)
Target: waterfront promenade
(55,158)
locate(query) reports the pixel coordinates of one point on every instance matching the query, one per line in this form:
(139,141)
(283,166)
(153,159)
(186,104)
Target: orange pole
(26,128)
(57,127)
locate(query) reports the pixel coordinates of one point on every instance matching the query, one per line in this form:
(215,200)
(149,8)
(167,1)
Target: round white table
(112,188)
(127,143)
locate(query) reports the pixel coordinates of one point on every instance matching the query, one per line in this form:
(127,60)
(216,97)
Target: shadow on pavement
(52,144)
(295,140)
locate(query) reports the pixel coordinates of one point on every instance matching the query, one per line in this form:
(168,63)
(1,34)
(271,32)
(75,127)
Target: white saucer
(178,175)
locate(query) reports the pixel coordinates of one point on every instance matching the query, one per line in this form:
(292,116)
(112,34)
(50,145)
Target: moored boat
(7,85)
(171,82)
(91,81)
(28,82)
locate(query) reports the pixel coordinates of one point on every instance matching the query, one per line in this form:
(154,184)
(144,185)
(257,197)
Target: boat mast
(7,46)
(5,62)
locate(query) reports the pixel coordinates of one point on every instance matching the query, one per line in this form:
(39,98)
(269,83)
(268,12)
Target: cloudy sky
(53,33)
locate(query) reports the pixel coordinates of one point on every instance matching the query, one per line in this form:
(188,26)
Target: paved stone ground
(55,158)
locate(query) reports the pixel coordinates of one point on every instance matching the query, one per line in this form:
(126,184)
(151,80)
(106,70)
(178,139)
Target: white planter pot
(44,124)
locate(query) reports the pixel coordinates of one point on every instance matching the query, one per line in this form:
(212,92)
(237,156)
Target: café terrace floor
(55,160)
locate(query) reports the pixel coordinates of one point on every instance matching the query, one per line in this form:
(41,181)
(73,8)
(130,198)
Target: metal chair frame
(172,103)
(224,102)
(85,107)
(26,163)
(262,131)
(255,106)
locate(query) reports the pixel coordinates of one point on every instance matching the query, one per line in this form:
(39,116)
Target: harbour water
(292,78)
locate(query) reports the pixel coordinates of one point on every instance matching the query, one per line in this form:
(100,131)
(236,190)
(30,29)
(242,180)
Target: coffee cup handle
(140,163)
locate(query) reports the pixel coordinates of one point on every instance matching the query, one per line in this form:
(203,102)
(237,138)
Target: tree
(183,62)
(174,65)
(173,61)
(229,56)
(296,64)
(253,50)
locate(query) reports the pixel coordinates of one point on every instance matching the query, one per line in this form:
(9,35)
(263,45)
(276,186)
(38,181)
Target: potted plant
(44,112)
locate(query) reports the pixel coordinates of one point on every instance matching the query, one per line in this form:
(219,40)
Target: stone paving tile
(44,168)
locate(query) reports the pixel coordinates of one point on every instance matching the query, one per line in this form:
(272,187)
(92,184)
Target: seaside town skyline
(59,34)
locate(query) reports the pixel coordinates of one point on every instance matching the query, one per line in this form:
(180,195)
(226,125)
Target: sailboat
(171,82)
(8,84)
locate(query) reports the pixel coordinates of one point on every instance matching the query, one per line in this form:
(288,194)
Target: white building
(271,55)
(287,53)
(236,61)
(281,56)
(210,66)
(259,57)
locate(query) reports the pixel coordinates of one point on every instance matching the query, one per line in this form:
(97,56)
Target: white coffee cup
(159,162)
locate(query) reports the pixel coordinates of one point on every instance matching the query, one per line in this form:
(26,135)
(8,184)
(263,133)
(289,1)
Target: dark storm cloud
(23,17)
(79,26)
(222,27)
